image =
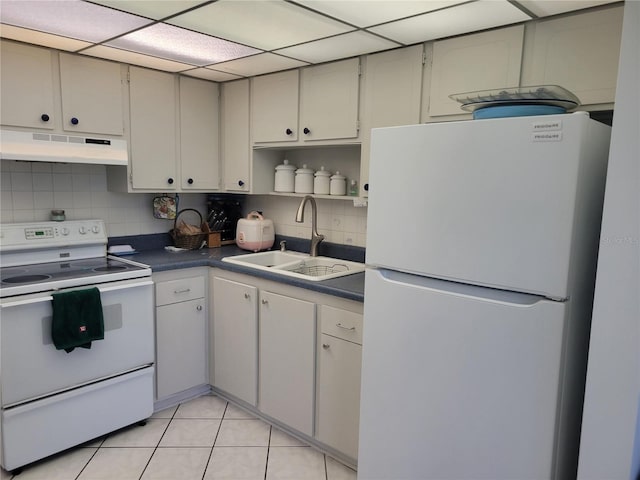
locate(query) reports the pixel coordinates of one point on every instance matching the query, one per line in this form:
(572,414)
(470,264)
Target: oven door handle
(49,298)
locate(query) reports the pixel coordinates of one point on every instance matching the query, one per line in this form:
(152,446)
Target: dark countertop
(350,286)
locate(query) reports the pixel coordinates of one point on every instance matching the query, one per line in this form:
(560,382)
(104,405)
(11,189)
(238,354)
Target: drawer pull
(326,346)
(339,325)
(186,290)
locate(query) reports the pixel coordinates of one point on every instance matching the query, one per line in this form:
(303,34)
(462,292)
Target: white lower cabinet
(339,369)
(300,349)
(234,359)
(181,332)
(287,360)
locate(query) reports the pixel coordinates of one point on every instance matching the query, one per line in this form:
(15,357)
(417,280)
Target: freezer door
(456,386)
(510,203)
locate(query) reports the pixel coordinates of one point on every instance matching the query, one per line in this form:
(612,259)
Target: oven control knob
(95,229)
(65,231)
(82,230)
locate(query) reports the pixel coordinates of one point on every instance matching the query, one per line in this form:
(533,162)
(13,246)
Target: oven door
(33,368)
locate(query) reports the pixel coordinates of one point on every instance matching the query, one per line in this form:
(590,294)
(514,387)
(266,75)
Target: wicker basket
(189,241)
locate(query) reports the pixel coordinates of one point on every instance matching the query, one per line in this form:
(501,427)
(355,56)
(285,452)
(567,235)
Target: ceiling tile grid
(222,40)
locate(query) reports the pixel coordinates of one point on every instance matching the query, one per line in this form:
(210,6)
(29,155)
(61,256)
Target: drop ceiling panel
(459,20)
(39,38)
(70,18)
(341,46)
(365,13)
(265,24)
(259,64)
(133,58)
(157,9)
(543,8)
(213,75)
(172,43)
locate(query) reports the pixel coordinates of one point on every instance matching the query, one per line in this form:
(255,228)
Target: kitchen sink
(295,264)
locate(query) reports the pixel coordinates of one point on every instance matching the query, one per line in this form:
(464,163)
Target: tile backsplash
(30,190)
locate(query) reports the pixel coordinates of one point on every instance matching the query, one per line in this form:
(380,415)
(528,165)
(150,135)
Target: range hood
(52,147)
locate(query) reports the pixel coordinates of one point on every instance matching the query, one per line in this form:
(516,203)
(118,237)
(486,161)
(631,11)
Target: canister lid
(285,166)
(337,176)
(304,170)
(323,173)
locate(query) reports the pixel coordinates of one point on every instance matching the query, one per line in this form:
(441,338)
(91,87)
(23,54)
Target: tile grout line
(159,440)
(206,467)
(266,466)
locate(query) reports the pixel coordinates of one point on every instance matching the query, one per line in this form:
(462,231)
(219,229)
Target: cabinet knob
(288,131)
(240,183)
(326,346)
(306,131)
(265,302)
(247,296)
(170,181)
(74,121)
(199,308)
(44,117)
(190,181)
(366,187)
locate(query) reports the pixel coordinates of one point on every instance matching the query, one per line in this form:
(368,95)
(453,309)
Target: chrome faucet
(316,238)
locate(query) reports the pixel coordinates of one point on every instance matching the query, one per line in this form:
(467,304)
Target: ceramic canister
(321,182)
(338,184)
(285,175)
(304,180)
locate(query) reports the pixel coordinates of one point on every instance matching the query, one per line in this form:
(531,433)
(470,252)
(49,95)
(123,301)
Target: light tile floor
(204,439)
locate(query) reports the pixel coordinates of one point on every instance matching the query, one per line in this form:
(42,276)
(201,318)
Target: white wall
(30,190)
(613,375)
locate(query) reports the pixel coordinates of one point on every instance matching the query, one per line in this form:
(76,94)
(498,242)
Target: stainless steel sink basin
(299,265)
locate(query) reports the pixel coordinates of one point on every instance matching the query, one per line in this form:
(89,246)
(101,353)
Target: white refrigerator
(482,239)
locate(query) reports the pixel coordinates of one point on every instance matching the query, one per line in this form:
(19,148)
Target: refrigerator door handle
(502,297)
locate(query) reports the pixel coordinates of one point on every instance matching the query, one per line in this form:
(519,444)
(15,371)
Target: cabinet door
(181,356)
(153,130)
(26,83)
(340,364)
(287,353)
(329,100)
(92,96)
(392,88)
(274,107)
(235,135)
(578,52)
(199,127)
(482,61)
(235,339)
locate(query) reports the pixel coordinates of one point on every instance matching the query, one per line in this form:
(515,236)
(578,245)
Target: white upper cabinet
(578,52)
(481,61)
(199,132)
(391,96)
(274,107)
(27,86)
(329,101)
(91,95)
(235,135)
(153,130)
(45,89)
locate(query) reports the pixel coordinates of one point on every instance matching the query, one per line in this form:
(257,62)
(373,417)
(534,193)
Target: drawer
(181,290)
(341,323)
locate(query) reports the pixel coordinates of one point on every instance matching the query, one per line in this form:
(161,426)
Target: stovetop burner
(26,278)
